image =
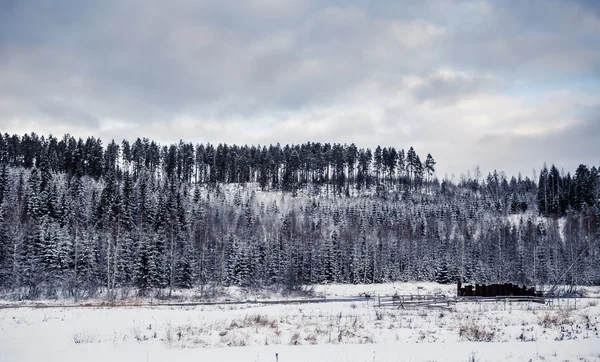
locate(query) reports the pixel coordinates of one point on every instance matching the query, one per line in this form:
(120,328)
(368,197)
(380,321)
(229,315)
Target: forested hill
(286,168)
(77,216)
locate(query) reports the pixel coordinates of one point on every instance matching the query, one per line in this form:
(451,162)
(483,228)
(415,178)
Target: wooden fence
(446,302)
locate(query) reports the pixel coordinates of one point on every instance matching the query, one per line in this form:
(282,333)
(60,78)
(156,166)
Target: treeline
(344,168)
(557,193)
(69,232)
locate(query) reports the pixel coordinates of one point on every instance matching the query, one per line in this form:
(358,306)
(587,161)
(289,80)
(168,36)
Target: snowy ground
(237,294)
(339,331)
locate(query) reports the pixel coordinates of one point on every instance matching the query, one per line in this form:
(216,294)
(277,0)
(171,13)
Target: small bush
(295,340)
(237,342)
(137,333)
(473,357)
(366,340)
(83,337)
(233,325)
(169,333)
(475,333)
(555,319)
(259,320)
(312,338)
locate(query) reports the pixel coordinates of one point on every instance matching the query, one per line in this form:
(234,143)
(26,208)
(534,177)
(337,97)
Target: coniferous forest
(78,216)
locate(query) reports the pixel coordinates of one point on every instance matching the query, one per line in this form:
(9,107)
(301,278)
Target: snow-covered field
(337,331)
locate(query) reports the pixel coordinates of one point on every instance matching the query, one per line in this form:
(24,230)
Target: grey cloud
(566,147)
(261,68)
(183,60)
(451,87)
(536,40)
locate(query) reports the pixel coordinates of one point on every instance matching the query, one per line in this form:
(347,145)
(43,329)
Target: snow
(336,331)
(542,351)
(346,290)
(234,293)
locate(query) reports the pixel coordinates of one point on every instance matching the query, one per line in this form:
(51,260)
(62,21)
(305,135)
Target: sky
(504,85)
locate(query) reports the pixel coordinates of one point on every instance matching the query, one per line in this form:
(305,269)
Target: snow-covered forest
(77,216)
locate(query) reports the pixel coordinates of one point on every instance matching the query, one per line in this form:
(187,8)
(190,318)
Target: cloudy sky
(500,84)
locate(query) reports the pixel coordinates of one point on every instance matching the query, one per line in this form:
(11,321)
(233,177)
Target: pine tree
(443,273)
(5,252)
(331,267)
(411,164)
(232,265)
(146,269)
(584,187)
(429,167)
(185,272)
(543,192)
(4,182)
(378,159)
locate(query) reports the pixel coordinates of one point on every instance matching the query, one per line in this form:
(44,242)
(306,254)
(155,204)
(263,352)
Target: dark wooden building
(496,290)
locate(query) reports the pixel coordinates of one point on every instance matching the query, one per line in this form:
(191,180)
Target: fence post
(379,300)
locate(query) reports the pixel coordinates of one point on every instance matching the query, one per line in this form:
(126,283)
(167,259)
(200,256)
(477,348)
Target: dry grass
(235,340)
(259,320)
(312,338)
(169,333)
(81,337)
(295,340)
(556,319)
(475,333)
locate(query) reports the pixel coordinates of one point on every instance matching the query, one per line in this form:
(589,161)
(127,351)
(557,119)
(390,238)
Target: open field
(336,331)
